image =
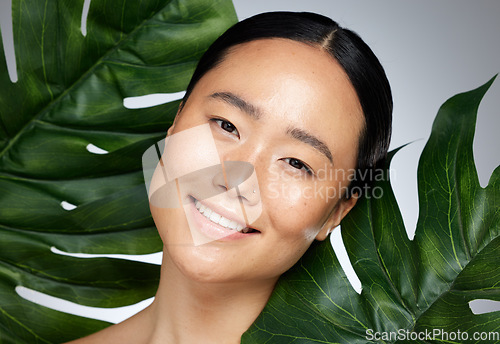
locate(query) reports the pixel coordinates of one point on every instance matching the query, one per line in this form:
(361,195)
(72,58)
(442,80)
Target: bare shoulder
(130,331)
(105,336)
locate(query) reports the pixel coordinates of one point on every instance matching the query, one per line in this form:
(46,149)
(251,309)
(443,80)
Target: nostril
(222,187)
(242,196)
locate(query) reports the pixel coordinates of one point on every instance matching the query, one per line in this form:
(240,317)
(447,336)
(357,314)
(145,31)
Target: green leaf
(69,94)
(420,285)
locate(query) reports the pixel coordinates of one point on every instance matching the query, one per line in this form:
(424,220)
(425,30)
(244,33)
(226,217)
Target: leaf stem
(450,194)
(331,300)
(43,52)
(83,77)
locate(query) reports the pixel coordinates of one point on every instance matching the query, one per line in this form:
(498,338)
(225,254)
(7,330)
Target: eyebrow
(311,140)
(254,112)
(238,102)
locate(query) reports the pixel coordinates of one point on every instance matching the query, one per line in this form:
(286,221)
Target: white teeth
(223,222)
(207,212)
(214,217)
(219,219)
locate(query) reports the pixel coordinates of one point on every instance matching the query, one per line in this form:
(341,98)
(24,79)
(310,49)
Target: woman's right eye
(227,126)
(299,165)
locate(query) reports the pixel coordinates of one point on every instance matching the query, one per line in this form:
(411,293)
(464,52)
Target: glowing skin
(270,103)
(283,94)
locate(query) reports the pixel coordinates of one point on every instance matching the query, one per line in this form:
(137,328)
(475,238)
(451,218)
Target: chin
(204,264)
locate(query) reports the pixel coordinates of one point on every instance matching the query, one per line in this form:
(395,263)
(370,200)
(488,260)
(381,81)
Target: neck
(190,311)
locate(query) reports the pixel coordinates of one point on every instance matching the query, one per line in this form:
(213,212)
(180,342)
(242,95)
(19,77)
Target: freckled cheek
(293,209)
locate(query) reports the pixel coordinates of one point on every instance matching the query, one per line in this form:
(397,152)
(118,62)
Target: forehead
(292,82)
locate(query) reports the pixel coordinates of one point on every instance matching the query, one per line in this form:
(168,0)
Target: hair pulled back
(357,59)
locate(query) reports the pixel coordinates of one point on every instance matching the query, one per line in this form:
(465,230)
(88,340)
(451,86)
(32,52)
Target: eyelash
(221,122)
(304,166)
(291,161)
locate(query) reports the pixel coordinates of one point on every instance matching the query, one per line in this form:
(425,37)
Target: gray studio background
(430,50)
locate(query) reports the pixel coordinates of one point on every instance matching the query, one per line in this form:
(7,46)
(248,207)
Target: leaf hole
(68,206)
(85,13)
(152,258)
(113,315)
(483,306)
(96,150)
(8,39)
(343,258)
(150,100)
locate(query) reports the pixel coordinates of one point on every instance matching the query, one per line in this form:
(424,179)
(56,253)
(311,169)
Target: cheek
(196,262)
(297,209)
(171,225)
(295,219)
(288,246)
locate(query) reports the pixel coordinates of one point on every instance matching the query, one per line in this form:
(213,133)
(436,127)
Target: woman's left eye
(298,164)
(227,126)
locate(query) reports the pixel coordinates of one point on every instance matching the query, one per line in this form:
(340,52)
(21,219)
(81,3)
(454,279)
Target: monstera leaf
(415,291)
(70,152)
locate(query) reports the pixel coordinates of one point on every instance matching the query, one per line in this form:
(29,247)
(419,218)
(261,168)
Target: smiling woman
(277,103)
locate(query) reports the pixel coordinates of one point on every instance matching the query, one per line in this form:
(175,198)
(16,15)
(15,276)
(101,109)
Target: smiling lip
(217,231)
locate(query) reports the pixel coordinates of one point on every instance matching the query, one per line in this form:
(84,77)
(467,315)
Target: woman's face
(289,110)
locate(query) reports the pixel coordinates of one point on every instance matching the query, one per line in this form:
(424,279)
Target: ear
(338,213)
(179,109)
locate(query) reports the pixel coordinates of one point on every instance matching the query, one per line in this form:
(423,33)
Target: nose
(239,180)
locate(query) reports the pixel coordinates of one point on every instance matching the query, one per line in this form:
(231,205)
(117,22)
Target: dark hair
(358,61)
